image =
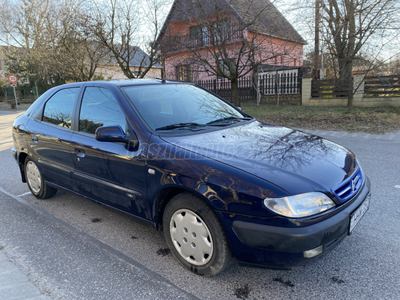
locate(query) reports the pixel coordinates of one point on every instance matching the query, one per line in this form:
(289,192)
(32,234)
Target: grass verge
(378,120)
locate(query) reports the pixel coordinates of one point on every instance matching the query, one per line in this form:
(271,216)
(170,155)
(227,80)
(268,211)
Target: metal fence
(223,88)
(280,82)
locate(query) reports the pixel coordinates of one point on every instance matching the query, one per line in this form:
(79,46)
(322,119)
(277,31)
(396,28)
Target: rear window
(58,109)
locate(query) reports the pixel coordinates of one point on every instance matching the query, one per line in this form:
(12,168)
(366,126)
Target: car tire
(195,236)
(36,183)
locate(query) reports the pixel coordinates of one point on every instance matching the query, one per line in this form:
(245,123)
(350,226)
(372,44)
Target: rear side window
(99,108)
(58,109)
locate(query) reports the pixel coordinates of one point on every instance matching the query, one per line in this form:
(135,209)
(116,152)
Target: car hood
(293,160)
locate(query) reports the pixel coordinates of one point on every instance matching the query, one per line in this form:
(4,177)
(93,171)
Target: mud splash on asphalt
(243,292)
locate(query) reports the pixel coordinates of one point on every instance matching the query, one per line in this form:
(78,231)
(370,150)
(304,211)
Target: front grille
(349,187)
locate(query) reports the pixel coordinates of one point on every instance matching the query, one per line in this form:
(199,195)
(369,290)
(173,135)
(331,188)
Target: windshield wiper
(223,121)
(180,125)
(227,120)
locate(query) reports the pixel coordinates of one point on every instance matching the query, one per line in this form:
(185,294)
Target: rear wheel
(36,182)
(195,236)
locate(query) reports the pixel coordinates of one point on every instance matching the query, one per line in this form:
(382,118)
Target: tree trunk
(346,80)
(351,96)
(235,92)
(316,42)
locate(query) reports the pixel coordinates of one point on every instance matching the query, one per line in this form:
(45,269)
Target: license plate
(357,215)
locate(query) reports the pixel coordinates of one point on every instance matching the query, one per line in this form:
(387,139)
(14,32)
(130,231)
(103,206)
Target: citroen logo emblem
(353,185)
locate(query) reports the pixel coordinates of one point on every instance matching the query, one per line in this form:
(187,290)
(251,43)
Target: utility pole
(317,66)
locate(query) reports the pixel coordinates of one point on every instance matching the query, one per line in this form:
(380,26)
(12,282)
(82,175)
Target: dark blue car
(218,182)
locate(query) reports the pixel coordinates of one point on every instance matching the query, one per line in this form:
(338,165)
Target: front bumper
(256,243)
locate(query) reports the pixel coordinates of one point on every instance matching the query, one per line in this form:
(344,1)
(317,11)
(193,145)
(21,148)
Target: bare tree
(121,26)
(23,24)
(351,24)
(47,44)
(77,47)
(353,31)
(225,43)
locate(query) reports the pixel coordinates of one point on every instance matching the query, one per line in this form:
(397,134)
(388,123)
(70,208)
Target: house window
(281,60)
(183,73)
(222,30)
(223,68)
(295,62)
(198,34)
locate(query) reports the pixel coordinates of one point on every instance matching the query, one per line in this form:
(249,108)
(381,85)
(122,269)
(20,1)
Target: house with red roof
(211,39)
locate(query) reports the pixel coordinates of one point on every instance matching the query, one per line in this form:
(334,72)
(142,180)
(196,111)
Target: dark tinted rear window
(59,107)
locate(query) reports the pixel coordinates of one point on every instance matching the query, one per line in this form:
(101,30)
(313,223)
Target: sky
(304,25)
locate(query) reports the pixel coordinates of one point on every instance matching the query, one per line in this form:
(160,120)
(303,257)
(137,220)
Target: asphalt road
(72,248)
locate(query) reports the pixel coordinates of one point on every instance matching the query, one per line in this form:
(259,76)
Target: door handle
(34,138)
(80,152)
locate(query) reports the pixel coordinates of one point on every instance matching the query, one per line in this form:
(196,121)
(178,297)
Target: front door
(108,172)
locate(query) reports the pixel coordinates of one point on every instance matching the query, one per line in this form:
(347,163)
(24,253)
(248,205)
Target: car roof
(125,82)
(140,81)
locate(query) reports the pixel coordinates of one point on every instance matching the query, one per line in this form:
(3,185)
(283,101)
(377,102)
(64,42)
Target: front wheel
(195,236)
(36,182)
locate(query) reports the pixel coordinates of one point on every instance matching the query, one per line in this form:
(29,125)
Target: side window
(58,109)
(99,108)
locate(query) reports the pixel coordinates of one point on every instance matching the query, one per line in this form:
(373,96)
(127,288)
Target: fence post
(358,88)
(259,87)
(306,91)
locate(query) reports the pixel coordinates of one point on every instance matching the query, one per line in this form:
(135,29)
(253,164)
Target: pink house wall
(276,51)
(272,51)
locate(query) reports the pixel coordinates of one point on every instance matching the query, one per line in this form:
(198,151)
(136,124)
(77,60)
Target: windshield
(178,106)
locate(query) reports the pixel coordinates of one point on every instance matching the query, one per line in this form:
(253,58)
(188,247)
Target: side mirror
(115,134)
(110,134)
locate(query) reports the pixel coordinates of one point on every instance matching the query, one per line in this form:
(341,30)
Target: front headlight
(299,206)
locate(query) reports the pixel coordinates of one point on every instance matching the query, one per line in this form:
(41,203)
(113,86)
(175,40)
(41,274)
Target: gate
(280,82)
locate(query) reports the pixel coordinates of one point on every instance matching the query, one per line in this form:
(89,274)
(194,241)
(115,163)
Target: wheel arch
(21,163)
(165,195)
(219,255)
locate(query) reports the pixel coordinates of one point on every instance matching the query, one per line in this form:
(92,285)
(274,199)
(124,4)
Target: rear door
(49,136)
(111,173)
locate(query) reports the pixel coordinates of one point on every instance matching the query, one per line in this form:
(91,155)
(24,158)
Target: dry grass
(371,120)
